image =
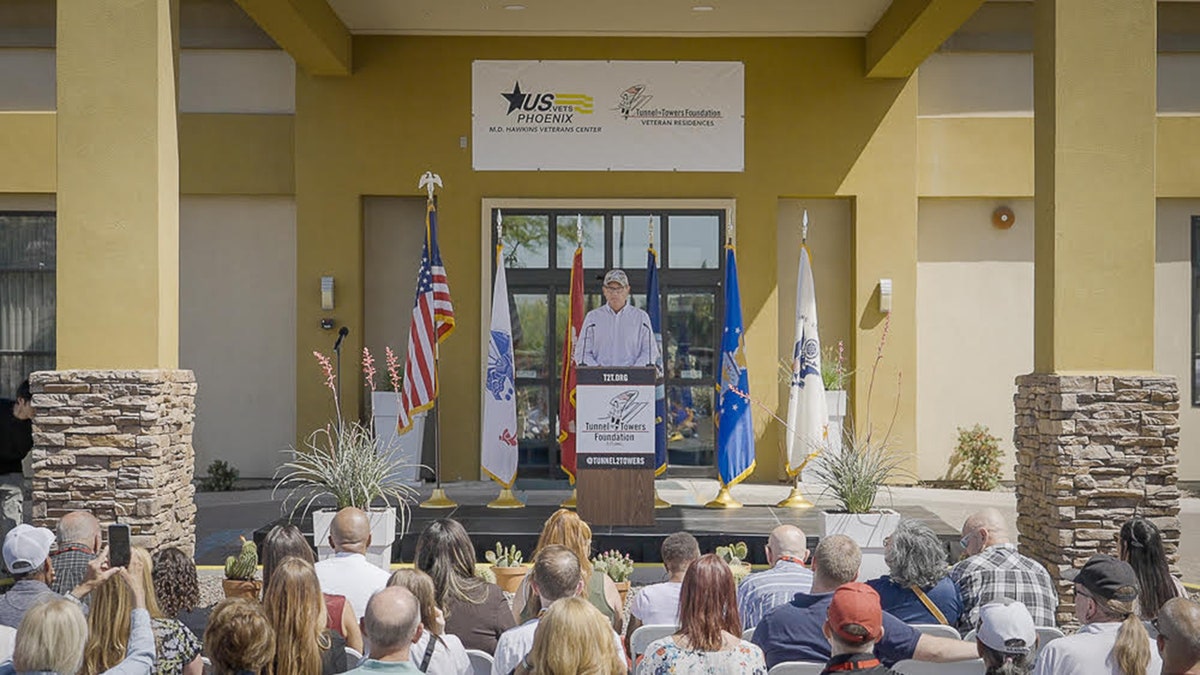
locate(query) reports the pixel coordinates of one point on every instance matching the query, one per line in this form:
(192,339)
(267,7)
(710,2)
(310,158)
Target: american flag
(432,322)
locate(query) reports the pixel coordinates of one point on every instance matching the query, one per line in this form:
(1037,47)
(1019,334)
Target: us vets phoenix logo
(546,112)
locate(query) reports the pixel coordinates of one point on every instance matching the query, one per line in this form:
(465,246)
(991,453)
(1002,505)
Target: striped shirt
(762,592)
(1001,572)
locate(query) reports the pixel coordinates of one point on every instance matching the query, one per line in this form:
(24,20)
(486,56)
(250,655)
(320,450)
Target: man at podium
(616,334)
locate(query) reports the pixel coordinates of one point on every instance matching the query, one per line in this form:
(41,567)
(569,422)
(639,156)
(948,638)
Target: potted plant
(507,567)
(852,476)
(834,376)
(239,573)
(342,462)
(735,555)
(619,567)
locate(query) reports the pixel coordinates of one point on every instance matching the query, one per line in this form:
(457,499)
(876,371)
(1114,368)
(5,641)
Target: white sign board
(615,423)
(608,115)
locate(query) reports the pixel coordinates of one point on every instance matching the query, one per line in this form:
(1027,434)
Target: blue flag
(654,309)
(735,425)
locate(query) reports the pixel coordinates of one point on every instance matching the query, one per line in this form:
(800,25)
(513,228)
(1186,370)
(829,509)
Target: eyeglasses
(964,541)
(1159,631)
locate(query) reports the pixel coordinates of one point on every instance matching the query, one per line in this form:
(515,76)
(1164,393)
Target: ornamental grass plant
(342,459)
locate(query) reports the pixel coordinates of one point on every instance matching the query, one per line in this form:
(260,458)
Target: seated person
(659,603)
(1178,626)
(917,589)
(1007,639)
(853,624)
(761,592)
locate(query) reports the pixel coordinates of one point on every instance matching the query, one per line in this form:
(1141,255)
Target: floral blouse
(664,656)
(175,645)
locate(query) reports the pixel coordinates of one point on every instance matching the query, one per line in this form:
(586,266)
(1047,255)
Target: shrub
(976,460)
(222,477)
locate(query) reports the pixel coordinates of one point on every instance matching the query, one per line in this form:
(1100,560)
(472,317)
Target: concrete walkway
(223,516)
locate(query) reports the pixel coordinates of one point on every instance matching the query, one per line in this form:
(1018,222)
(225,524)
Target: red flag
(432,322)
(566,397)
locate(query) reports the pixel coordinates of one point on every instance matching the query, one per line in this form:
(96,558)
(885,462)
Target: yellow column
(118,184)
(1094,104)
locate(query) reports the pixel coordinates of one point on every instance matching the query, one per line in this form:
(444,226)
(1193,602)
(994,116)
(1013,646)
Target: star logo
(515,98)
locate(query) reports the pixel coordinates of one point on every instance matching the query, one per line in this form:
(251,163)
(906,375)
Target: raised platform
(711,527)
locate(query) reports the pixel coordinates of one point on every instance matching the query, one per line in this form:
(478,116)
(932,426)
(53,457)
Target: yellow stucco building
(185,173)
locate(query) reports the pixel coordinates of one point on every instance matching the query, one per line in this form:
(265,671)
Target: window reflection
(690,430)
(527,242)
(593,241)
(690,328)
(695,241)
(533,413)
(529,317)
(630,238)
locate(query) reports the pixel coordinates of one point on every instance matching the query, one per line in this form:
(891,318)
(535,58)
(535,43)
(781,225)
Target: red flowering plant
(343,460)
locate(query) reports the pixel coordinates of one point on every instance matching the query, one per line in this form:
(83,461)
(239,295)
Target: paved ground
(223,516)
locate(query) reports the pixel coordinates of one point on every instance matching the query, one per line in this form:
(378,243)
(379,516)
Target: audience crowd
(70,612)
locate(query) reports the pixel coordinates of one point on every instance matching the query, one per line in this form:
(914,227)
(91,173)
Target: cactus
(244,564)
(502,557)
(733,554)
(617,565)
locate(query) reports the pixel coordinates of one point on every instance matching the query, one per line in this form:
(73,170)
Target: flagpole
(573,501)
(506,499)
(439,499)
(659,502)
(795,498)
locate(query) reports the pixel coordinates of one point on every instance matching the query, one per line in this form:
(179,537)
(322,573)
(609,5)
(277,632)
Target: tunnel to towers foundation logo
(546,112)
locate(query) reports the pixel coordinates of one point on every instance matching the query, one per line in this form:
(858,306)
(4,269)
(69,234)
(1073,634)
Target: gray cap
(617,276)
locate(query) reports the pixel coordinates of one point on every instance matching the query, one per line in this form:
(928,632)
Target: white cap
(617,276)
(26,548)
(1007,627)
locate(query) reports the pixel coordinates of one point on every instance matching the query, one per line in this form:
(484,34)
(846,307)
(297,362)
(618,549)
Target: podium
(614,445)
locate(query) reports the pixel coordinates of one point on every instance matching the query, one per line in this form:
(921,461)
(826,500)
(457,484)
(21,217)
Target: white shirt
(449,655)
(1088,652)
(516,643)
(657,604)
(350,574)
(622,339)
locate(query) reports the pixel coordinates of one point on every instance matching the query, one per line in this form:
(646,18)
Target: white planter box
(868,530)
(405,451)
(383,535)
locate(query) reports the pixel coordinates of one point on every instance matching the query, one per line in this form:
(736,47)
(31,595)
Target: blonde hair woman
(1112,638)
(573,637)
(296,610)
(109,623)
(436,651)
(565,528)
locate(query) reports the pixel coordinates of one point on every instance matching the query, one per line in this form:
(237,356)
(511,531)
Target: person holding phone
(27,555)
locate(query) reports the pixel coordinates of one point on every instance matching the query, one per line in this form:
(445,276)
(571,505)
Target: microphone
(590,330)
(337,346)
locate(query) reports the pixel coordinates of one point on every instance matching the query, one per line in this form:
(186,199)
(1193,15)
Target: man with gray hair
(793,632)
(78,541)
(1178,625)
(391,625)
(759,593)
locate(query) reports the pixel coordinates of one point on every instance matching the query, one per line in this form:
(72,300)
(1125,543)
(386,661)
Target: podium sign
(615,422)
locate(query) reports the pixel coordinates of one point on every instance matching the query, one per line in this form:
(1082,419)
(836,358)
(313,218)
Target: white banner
(608,116)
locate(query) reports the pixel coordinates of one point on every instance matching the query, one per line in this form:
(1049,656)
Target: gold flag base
(438,500)
(795,500)
(506,500)
(659,502)
(724,500)
(570,502)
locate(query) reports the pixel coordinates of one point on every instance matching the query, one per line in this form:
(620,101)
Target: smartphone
(118,545)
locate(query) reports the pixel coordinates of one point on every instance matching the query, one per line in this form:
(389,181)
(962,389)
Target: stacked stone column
(1093,451)
(117,443)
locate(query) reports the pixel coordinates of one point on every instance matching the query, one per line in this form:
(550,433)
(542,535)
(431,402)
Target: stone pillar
(117,443)
(1093,451)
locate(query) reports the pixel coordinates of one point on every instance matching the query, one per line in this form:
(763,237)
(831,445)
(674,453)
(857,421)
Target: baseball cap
(617,276)
(854,613)
(1106,578)
(26,548)
(1007,627)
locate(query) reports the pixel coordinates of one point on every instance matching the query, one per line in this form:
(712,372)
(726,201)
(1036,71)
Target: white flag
(808,418)
(499,453)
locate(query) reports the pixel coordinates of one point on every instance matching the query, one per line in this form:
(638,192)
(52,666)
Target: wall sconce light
(326,293)
(885,295)
(1003,218)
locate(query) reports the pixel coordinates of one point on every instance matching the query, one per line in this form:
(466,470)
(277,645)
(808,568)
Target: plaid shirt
(1000,572)
(70,566)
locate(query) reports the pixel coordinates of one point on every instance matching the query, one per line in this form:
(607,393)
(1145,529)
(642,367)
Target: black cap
(1106,578)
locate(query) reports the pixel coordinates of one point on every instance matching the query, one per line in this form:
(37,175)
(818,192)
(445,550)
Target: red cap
(855,615)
